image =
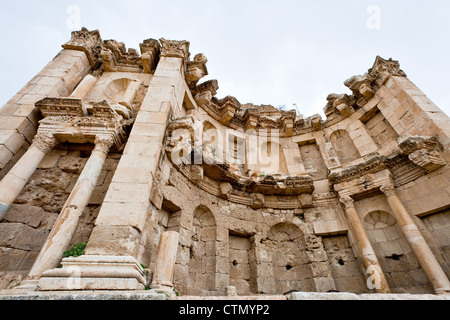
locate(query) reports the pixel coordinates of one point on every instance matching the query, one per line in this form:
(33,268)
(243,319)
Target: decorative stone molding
(339,104)
(211,86)
(56,107)
(116,57)
(87,41)
(196,70)
(44,141)
(176,49)
(361,86)
(423,151)
(364,86)
(70,121)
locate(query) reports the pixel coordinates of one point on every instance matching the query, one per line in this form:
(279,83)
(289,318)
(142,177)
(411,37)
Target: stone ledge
(352,296)
(9,295)
(231,298)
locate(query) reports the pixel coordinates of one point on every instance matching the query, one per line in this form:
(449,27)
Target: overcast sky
(261,51)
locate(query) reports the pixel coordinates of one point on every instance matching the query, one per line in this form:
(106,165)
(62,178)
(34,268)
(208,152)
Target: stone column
(165,262)
(370,260)
(84,87)
(417,242)
(13,183)
(67,223)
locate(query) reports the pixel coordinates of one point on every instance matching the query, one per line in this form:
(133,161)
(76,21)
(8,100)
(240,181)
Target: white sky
(261,51)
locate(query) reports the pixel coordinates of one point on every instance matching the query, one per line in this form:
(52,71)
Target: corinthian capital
(88,41)
(177,49)
(383,69)
(388,188)
(347,201)
(103,143)
(44,141)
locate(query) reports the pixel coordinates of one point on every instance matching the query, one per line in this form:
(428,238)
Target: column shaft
(84,87)
(417,242)
(67,223)
(16,179)
(368,255)
(165,261)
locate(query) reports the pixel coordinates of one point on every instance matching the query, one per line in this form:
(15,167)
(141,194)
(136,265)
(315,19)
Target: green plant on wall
(77,250)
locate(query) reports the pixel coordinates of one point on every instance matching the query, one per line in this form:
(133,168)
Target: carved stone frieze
(69,121)
(53,107)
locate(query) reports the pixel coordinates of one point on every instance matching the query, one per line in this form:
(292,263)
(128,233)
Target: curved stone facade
(199,194)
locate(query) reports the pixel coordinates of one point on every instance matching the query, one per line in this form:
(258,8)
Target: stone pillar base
(163,289)
(94,273)
(27,285)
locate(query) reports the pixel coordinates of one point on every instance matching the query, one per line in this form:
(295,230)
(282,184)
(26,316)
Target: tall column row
(375,277)
(422,251)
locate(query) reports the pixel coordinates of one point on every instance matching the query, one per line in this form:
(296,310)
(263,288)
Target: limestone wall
(263,200)
(27,225)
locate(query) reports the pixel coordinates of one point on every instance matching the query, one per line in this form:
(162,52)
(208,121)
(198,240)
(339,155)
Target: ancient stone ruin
(168,188)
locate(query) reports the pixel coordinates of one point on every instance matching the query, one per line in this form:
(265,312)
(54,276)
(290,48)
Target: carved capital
(177,49)
(383,69)
(44,141)
(388,188)
(88,41)
(103,143)
(347,201)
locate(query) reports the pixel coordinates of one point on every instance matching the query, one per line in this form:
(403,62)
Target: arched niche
(202,259)
(286,242)
(346,150)
(399,264)
(122,91)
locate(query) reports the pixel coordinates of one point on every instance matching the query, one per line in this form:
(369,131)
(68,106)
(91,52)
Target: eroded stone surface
(310,209)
